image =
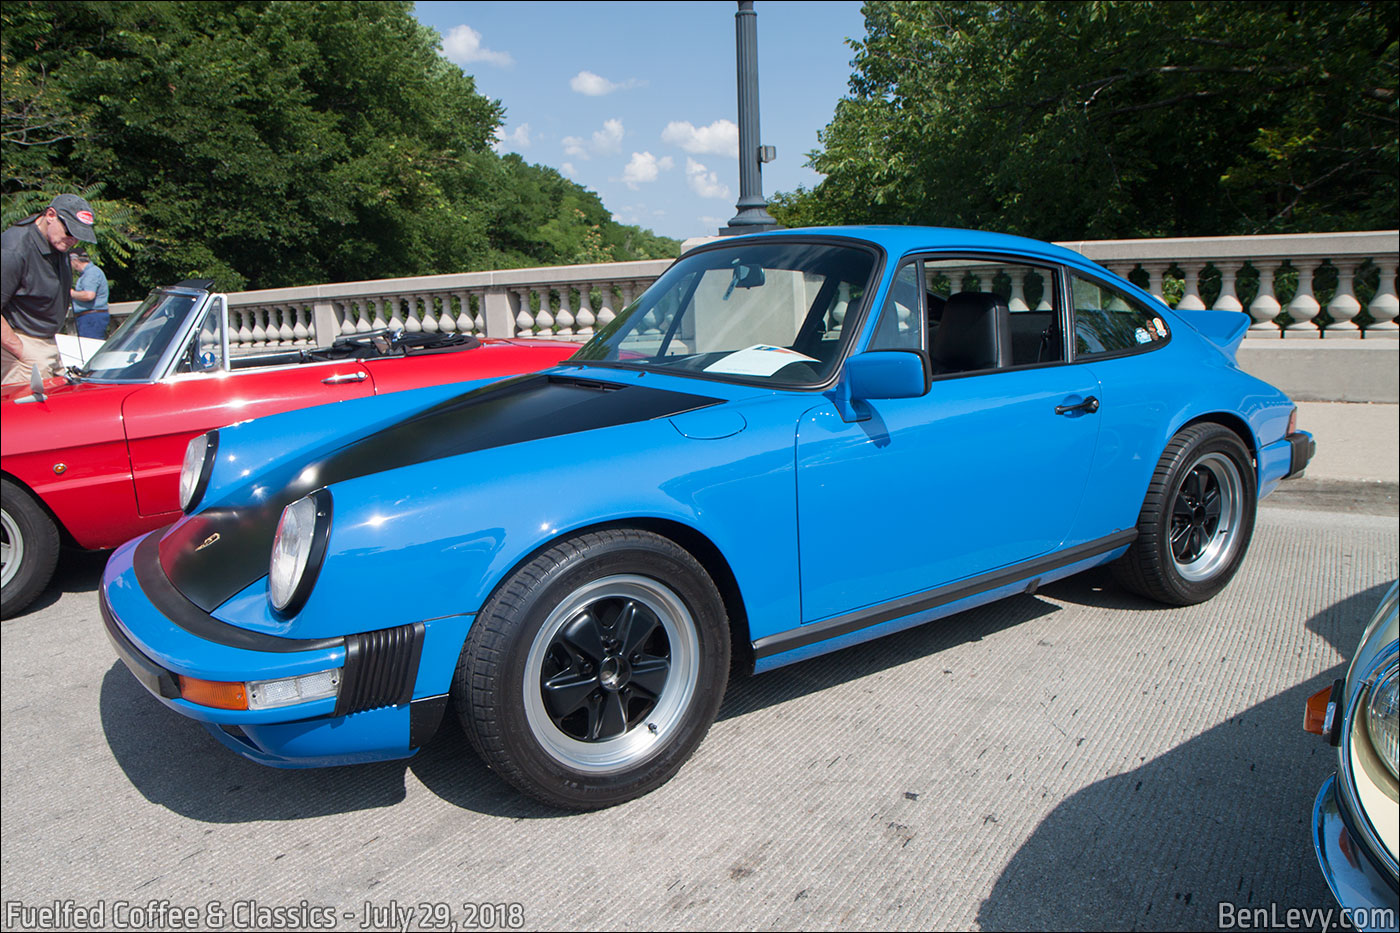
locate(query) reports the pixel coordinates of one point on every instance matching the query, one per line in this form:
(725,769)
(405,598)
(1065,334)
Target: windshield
(763,311)
(135,350)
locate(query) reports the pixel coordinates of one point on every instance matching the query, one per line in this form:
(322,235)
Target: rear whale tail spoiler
(1225,329)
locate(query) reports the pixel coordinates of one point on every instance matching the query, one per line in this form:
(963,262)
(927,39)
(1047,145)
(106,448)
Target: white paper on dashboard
(757,360)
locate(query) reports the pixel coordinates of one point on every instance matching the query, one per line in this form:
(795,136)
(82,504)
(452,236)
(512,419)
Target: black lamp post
(753,216)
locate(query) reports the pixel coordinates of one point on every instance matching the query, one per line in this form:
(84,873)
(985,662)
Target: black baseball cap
(77,216)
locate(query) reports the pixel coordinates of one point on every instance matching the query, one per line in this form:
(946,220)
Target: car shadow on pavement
(746,694)
(1217,825)
(1096,588)
(450,768)
(173,762)
(78,571)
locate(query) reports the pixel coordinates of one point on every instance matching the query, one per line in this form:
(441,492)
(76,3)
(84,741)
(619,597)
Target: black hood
(210,571)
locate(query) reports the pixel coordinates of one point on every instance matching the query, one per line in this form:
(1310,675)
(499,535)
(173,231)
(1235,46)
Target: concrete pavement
(1077,759)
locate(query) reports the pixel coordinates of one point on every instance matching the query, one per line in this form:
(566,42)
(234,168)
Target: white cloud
(645,167)
(637,214)
(586,82)
(568,170)
(607,141)
(719,138)
(515,140)
(463,46)
(704,182)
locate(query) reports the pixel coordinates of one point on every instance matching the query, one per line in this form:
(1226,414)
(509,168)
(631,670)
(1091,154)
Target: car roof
(898,240)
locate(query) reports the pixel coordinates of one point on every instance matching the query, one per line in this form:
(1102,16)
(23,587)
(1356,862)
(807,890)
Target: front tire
(28,548)
(594,671)
(1196,520)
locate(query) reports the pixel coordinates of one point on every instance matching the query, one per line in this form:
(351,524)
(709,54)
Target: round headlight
(194,472)
(1383,718)
(297,550)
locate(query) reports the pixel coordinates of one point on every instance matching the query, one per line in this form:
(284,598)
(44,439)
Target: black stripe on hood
(209,571)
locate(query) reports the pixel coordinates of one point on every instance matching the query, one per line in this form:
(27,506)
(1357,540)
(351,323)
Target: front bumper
(378,714)
(1359,885)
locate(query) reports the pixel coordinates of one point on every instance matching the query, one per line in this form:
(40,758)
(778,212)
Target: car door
(985,470)
(208,390)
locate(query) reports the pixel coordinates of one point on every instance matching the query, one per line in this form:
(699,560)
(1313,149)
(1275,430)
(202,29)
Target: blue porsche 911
(790,443)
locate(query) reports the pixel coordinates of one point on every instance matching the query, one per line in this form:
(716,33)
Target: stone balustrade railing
(1293,285)
(568,302)
(1332,285)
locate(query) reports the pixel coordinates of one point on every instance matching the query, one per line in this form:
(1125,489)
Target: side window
(987,315)
(1107,322)
(205,352)
(901,325)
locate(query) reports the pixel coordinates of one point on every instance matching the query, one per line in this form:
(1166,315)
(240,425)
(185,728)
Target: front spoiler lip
(152,676)
(1356,882)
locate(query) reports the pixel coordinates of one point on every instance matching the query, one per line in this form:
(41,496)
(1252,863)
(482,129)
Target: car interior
(375,344)
(972,329)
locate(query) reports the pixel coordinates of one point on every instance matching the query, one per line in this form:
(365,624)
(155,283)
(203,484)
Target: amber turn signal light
(1315,716)
(218,694)
(1322,716)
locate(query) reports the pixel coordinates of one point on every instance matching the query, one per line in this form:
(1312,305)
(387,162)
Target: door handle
(1088,406)
(342,378)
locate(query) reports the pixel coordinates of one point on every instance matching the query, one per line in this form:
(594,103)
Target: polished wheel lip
(646,738)
(1215,507)
(11,549)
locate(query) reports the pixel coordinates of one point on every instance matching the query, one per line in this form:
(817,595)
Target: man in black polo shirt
(35,281)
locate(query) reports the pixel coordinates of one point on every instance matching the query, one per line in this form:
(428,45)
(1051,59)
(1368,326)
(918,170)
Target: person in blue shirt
(89,295)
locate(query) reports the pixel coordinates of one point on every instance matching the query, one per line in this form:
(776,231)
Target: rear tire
(28,548)
(1196,520)
(594,671)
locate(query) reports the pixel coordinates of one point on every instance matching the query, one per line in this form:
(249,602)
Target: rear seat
(1030,342)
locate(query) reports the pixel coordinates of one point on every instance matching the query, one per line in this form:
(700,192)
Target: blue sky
(637,100)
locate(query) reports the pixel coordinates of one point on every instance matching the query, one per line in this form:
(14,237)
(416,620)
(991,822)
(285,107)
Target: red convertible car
(94,459)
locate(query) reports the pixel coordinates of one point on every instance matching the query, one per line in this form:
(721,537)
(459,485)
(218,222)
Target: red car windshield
(136,350)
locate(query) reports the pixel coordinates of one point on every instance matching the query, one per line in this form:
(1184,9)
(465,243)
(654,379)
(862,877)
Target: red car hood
(68,416)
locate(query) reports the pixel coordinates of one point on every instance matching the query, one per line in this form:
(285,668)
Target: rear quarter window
(1109,322)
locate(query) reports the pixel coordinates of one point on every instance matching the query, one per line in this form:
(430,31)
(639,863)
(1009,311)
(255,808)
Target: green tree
(266,143)
(1109,119)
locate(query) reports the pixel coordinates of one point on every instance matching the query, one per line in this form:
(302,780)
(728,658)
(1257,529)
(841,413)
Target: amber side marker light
(1320,715)
(218,694)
